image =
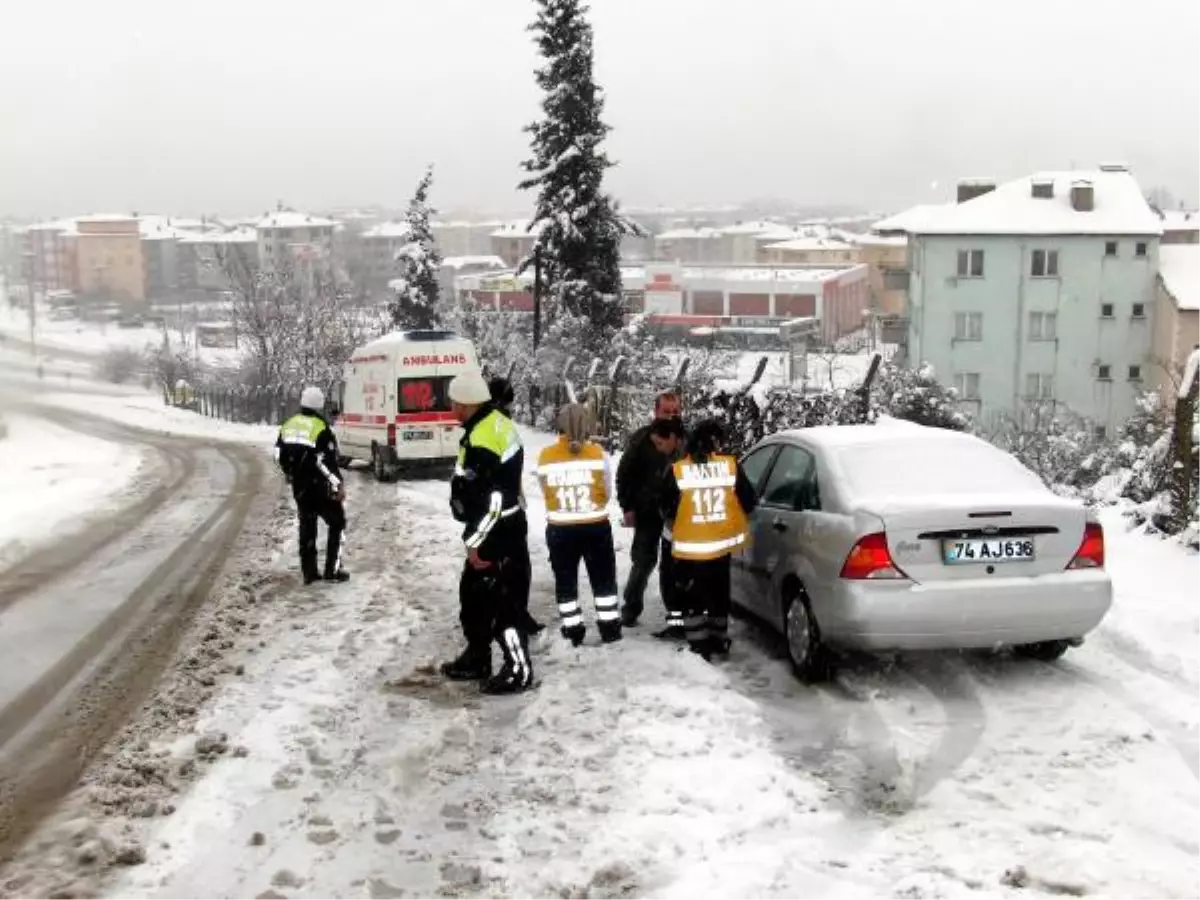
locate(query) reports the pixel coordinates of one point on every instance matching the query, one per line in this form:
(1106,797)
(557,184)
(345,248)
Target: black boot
(531,625)
(610,632)
(472,665)
(671,633)
(308,568)
(341,575)
(575,634)
(517,674)
(630,615)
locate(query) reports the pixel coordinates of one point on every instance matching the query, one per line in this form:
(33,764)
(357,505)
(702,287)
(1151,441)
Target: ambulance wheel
(343,462)
(383,472)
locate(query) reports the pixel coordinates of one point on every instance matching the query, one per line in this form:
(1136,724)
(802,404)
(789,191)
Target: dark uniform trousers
(494,601)
(650,549)
(703,587)
(310,507)
(591,543)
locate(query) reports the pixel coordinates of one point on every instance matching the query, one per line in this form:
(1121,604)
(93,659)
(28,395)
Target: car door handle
(779,525)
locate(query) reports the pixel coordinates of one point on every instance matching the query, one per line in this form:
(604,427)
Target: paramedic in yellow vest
(706,502)
(576,481)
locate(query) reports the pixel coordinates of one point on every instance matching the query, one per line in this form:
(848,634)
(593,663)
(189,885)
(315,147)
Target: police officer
(706,502)
(503,398)
(576,482)
(485,496)
(307,452)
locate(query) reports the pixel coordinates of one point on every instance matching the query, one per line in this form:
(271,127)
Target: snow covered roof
(756,228)
(289,218)
(688,234)
(1118,208)
(244,235)
(100,218)
(1179,269)
(388,230)
(811,243)
(1180,220)
(870,239)
(909,220)
(462,262)
(65,226)
(763,273)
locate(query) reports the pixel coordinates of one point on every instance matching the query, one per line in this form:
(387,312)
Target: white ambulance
(392,406)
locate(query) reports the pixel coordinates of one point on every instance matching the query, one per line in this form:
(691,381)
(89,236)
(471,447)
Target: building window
(967,385)
(968,326)
(1044,264)
(1135,373)
(1039,387)
(1101,432)
(1043,326)
(1142,249)
(1110,248)
(1106,310)
(1104,372)
(1139,310)
(970,263)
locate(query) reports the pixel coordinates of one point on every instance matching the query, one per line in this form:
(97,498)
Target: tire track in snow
(53,562)
(59,723)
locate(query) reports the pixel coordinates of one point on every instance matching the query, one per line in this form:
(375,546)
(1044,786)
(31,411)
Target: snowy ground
(94,338)
(51,479)
(330,760)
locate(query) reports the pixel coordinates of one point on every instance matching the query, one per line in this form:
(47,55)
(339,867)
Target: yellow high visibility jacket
(709,521)
(575,485)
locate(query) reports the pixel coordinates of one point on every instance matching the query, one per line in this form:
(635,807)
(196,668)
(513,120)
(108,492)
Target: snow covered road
(330,760)
(90,615)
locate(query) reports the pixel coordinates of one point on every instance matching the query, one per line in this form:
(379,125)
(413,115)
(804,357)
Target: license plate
(414,435)
(987,550)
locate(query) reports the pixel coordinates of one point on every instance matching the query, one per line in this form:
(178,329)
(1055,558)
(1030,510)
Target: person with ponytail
(576,480)
(706,504)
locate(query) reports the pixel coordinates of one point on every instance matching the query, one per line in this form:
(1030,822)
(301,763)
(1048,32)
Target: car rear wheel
(809,657)
(1046,651)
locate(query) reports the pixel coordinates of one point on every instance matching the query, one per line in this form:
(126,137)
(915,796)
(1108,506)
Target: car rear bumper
(881,615)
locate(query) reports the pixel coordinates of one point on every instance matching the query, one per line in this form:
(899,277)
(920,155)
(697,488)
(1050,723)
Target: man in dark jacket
(307,452)
(640,477)
(485,495)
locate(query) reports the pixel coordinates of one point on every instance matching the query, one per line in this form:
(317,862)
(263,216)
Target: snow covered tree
(415,301)
(579,226)
(916,395)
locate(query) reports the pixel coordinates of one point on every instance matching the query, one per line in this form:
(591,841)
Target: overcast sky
(217,105)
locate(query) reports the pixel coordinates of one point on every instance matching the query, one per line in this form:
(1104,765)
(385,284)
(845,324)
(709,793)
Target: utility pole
(537,297)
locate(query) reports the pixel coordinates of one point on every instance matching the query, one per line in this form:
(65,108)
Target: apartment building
(1037,291)
(1176,313)
(109,257)
(378,248)
(286,236)
(514,241)
(203,259)
(49,253)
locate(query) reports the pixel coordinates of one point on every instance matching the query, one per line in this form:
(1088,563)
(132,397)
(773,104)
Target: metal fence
(237,403)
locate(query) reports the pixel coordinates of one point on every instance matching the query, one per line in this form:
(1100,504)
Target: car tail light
(1090,554)
(871,558)
(391,432)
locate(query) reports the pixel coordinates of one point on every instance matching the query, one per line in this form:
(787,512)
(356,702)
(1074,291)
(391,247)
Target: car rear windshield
(429,394)
(913,468)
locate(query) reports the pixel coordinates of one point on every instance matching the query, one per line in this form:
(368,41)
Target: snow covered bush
(751,412)
(120,365)
(414,303)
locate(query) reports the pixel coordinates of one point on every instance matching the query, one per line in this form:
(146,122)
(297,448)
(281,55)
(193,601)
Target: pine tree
(579,226)
(415,301)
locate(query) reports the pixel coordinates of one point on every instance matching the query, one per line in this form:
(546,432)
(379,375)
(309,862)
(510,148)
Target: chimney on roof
(1042,187)
(1083,196)
(970,188)
(1114,167)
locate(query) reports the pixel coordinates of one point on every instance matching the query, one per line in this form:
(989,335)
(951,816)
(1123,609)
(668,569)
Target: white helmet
(469,389)
(312,397)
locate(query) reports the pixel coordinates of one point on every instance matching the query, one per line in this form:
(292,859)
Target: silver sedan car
(901,537)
